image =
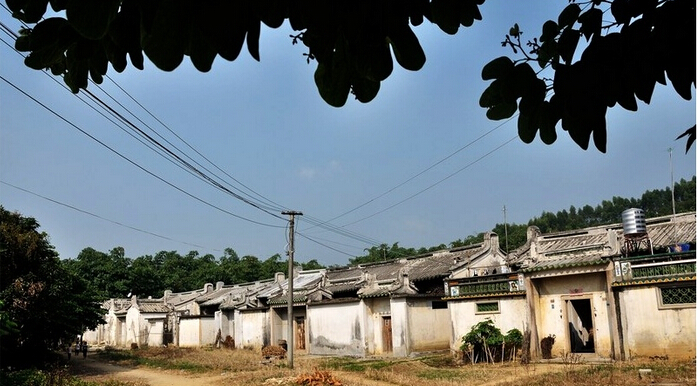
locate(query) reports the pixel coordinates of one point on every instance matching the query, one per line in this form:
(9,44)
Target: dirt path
(93,370)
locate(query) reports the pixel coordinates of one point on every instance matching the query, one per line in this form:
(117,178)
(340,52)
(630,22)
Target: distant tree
(469,240)
(44,303)
(145,277)
(312,264)
(270,266)
(108,274)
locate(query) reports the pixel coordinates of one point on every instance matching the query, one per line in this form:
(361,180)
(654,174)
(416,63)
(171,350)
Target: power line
(436,183)
(131,161)
(423,171)
(102,218)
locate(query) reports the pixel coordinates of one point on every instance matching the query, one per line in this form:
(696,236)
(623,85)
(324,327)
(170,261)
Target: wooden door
(300,333)
(387,334)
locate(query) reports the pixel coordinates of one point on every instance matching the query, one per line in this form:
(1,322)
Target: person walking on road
(84,349)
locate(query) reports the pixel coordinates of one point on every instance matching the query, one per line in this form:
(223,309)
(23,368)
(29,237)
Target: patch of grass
(440,374)
(55,377)
(355,364)
(439,361)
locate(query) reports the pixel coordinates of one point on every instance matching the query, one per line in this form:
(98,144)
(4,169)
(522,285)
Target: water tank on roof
(633,222)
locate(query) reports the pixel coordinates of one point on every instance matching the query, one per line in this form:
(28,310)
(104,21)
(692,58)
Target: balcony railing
(663,266)
(483,285)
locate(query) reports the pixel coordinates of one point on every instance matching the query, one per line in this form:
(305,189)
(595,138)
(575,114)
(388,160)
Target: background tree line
(113,274)
(657,202)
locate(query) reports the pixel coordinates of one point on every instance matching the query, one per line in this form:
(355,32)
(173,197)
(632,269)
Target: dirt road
(93,370)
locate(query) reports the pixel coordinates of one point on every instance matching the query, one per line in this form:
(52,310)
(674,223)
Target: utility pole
(289,252)
(505,227)
(672,193)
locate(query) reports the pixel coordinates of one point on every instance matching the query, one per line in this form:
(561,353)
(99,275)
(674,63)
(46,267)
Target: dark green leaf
(569,15)
(568,41)
(690,133)
(365,89)
(591,22)
(497,68)
(547,53)
(168,36)
(91,18)
(527,128)
(253,32)
(406,47)
(549,31)
(620,11)
(491,95)
(547,123)
(446,14)
(502,111)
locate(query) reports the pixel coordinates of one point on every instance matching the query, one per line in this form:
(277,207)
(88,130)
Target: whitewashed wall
(429,329)
(463,316)
(209,329)
(376,309)
(650,331)
(189,332)
(336,329)
(251,328)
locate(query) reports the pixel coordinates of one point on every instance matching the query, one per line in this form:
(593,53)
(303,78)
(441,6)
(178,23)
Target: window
(487,308)
(437,305)
(676,296)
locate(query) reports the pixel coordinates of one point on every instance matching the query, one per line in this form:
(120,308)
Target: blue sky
(265,125)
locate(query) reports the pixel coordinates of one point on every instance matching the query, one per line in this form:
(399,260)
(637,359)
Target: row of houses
(597,290)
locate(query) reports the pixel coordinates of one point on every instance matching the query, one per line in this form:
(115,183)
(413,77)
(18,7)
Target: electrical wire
(131,161)
(102,218)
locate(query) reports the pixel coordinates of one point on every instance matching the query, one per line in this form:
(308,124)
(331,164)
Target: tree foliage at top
(644,42)
(42,303)
(354,44)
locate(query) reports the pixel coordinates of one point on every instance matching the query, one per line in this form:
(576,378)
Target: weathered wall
(650,331)
(552,316)
(251,328)
(152,331)
(463,316)
(429,329)
(336,329)
(209,329)
(376,309)
(189,331)
(400,327)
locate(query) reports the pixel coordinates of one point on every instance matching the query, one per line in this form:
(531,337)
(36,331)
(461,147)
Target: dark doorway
(300,333)
(387,334)
(581,328)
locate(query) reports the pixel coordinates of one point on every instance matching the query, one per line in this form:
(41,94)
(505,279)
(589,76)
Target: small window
(676,296)
(437,305)
(487,308)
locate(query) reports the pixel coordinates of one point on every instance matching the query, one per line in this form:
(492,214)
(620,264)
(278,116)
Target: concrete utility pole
(291,250)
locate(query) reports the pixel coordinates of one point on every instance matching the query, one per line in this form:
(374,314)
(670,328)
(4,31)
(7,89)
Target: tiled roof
(152,306)
(593,245)
(664,232)
(303,281)
(568,262)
